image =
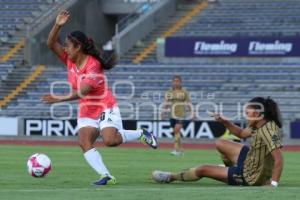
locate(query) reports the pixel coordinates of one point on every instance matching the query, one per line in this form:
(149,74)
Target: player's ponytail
(271,109)
(106,58)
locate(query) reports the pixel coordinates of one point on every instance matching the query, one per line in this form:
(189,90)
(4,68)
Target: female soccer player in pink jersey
(98,109)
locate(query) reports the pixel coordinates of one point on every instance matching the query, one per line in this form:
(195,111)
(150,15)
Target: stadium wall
(9,126)
(137,30)
(194,130)
(124,6)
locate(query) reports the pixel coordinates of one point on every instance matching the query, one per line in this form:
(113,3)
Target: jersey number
(102,116)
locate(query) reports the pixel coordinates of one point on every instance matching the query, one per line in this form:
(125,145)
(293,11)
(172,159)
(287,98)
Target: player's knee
(219,143)
(110,142)
(177,129)
(111,137)
(85,145)
(201,171)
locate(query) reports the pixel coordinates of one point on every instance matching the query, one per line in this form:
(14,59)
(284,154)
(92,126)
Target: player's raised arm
(234,129)
(53,38)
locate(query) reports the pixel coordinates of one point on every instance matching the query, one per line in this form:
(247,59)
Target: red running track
(290,148)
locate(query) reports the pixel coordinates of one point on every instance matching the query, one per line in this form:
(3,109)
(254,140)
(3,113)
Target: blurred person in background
(177,104)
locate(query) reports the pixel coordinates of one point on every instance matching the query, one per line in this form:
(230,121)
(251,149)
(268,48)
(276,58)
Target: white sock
(94,159)
(130,135)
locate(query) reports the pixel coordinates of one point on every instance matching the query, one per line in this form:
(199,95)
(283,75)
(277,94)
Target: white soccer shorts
(85,121)
(109,118)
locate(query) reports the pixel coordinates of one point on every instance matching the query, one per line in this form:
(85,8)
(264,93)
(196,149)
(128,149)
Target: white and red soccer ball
(39,165)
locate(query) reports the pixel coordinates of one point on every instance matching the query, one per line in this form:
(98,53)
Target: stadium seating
(5,69)
(16,15)
(231,83)
(252,18)
(231,18)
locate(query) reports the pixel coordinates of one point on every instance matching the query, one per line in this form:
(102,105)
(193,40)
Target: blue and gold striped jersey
(259,162)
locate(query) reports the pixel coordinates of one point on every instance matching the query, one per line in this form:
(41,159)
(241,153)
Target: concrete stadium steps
(13,79)
(152,36)
(16,15)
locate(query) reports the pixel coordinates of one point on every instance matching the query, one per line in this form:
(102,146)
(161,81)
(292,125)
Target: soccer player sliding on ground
(98,109)
(259,164)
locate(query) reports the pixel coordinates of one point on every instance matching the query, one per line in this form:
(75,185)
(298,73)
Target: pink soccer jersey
(100,97)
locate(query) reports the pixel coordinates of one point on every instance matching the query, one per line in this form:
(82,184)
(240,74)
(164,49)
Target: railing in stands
(22,86)
(135,15)
(178,25)
(13,51)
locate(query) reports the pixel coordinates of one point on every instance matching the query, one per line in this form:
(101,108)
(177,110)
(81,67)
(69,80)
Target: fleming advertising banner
(295,130)
(162,129)
(232,46)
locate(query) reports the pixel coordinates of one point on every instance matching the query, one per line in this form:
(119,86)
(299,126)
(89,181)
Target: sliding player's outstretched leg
(192,174)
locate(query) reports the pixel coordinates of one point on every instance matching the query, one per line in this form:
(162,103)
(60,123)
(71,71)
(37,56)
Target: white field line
(102,188)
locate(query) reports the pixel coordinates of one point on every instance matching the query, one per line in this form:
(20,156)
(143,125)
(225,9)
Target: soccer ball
(38,165)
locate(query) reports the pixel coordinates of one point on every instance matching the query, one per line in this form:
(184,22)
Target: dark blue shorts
(235,174)
(174,121)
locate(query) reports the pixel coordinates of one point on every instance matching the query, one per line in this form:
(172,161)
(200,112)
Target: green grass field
(71,177)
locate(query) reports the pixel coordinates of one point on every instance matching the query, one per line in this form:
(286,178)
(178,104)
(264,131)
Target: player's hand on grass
(273,184)
(48,98)
(269,186)
(62,18)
